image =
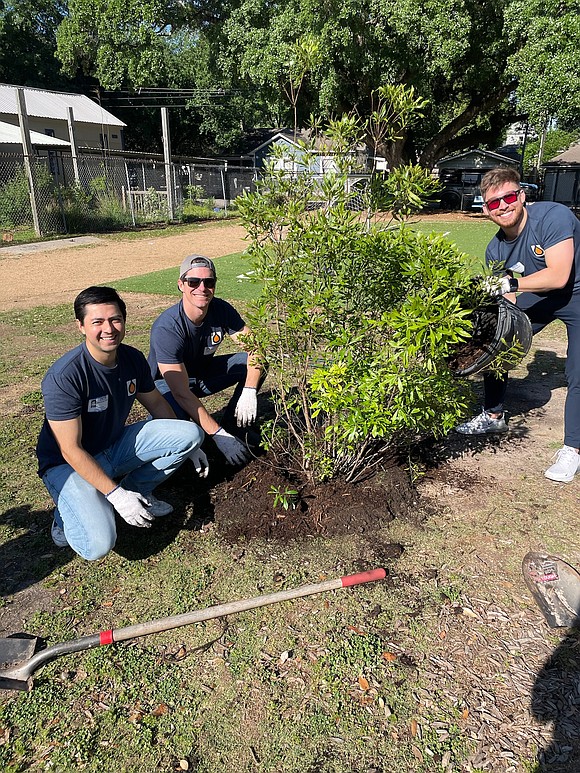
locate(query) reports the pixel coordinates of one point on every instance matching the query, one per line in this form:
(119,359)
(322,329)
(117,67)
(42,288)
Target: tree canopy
(479,65)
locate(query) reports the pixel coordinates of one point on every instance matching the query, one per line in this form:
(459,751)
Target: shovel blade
(555,586)
(14,652)
(15,649)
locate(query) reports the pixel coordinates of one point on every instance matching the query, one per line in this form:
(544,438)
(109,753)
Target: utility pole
(542,144)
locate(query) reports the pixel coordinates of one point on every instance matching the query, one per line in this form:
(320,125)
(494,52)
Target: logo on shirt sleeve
(131,386)
(216,338)
(538,250)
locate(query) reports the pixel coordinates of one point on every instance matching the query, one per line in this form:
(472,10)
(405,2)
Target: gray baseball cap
(195,260)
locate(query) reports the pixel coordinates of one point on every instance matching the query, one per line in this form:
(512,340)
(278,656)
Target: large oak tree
(480,64)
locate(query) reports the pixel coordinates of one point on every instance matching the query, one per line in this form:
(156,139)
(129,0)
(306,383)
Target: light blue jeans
(145,455)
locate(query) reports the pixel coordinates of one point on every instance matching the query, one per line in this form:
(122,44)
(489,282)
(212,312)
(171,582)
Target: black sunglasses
(195,281)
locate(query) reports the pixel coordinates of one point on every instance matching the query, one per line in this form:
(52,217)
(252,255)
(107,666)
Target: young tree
(356,322)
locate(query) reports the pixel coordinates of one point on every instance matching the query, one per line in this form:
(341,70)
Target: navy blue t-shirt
(175,339)
(77,385)
(548,223)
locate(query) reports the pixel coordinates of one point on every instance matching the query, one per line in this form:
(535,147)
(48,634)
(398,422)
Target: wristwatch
(514,285)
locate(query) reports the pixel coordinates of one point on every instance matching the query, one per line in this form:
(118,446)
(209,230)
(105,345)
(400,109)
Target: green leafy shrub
(356,320)
(15,206)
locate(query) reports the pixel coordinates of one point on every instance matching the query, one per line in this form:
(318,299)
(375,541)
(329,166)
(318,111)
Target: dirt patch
(67,271)
(261,502)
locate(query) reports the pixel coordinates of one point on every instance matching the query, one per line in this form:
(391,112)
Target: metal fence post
(130,194)
(73,144)
(167,159)
(223,173)
(27,153)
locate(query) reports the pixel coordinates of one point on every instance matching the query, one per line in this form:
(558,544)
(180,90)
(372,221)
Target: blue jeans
(543,309)
(145,455)
(220,372)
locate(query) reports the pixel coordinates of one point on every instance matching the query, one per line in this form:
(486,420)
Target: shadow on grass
(30,557)
(524,393)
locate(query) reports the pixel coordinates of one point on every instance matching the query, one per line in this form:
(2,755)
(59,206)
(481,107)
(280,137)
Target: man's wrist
(514,284)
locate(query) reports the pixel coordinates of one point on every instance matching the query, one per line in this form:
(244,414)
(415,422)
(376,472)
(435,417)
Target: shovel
(555,587)
(17,662)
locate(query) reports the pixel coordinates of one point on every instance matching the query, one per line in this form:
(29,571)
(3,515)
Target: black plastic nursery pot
(497,328)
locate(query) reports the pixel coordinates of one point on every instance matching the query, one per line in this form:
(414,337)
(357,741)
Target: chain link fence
(94,193)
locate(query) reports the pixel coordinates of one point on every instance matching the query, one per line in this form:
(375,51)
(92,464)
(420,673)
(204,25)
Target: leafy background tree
(479,65)
(28,43)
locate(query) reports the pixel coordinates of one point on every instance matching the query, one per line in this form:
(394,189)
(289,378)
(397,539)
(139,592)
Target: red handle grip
(357,579)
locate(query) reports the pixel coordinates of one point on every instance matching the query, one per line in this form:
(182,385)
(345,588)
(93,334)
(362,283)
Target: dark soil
(484,329)
(244,505)
(241,502)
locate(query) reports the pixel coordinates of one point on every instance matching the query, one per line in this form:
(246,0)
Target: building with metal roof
(95,127)
(11,141)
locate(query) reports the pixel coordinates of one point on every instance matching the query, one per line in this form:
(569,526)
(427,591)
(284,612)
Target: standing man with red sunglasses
(183,361)
(541,243)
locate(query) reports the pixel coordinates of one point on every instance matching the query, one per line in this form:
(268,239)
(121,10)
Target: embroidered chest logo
(215,338)
(131,386)
(538,250)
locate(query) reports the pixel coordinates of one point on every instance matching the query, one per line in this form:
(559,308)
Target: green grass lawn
(234,280)
(471,237)
(235,271)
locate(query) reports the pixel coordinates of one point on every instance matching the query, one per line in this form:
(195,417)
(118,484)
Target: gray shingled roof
(570,156)
(41,103)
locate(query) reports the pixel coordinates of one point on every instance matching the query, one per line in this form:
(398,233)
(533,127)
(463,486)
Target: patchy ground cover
(447,665)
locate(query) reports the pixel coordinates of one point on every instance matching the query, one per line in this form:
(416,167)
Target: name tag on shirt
(98,404)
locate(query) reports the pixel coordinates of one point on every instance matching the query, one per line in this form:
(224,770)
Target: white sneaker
(157,507)
(566,465)
(57,535)
(482,424)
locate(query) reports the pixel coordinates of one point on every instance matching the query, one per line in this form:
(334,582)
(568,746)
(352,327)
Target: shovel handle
(222,610)
(358,579)
(19,677)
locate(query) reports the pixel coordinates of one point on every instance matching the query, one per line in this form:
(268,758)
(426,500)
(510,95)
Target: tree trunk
(437,147)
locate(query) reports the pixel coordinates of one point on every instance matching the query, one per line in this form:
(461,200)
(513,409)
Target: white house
(94,126)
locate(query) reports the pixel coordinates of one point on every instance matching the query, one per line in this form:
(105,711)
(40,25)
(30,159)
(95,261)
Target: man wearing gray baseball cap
(182,358)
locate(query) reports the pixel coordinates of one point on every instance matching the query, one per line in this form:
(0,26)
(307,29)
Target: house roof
(570,156)
(10,135)
(41,103)
(495,158)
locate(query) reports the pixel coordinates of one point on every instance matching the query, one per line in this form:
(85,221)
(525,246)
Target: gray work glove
(131,506)
(247,407)
(496,285)
(232,448)
(200,462)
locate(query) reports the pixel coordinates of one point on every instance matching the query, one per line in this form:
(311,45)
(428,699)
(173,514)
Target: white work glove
(200,462)
(247,407)
(232,448)
(131,506)
(496,286)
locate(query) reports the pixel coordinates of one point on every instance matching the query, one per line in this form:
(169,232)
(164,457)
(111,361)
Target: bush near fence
(110,193)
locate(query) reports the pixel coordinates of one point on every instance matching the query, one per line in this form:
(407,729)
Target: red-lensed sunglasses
(509,198)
